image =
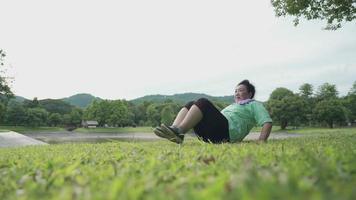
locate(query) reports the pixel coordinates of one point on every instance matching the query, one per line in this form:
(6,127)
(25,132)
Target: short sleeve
(260,113)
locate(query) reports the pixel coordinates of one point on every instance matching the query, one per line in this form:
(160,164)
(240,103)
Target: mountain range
(83,100)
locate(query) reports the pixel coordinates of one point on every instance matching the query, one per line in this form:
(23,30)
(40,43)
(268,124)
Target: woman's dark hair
(249,86)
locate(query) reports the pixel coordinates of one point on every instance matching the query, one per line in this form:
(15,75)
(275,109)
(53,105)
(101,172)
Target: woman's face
(241,93)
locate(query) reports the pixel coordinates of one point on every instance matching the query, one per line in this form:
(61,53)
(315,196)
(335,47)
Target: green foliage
(120,115)
(330,111)
(350,104)
(15,114)
(306,90)
(153,115)
(56,106)
(19,99)
(73,119)
(353,89)
(327,91)
(36,117)
(285,107)
(81,100)
(31,104)
(99,111)
(54,119)
(334,12)
(307,94)
(76,117)
(5,90)
(181,98)
(113,113)
(280,93)
(67,120)
(318,167)
(2,112)
(167,115)
(139,113)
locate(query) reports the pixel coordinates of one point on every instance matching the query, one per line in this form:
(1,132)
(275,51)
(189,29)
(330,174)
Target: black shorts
(214,127)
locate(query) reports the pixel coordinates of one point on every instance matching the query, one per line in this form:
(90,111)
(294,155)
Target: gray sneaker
(169,133)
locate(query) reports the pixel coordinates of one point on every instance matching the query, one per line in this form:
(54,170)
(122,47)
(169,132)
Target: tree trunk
(331,124)
(284,125)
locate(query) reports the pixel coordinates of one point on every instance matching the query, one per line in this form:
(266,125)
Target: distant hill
(81,100)
(182,98)
(20,99)
(56,106)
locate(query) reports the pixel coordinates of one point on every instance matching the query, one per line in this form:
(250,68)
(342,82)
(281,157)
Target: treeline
(113,113)
(309,107)
(39,113)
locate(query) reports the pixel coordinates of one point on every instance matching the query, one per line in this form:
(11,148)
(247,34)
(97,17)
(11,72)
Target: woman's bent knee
(189,104)
(202,102)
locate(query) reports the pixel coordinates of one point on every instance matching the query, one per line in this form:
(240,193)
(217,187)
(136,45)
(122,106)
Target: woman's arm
(266,130)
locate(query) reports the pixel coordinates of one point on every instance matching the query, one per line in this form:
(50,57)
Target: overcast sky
(128,49)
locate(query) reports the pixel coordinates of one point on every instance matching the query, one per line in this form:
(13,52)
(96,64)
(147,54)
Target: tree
(326,91)
(329,111)
(31,104)
(350,104)
(167,115)
(353,89)
(2,112)
(285,107)
(15,114)
(333,11)
(5,91)
(306,93)
(66,120)
(99,111)
(120,114)
(153,115)
(306,90)
(76,117)
(56,106)
(54,119)
(280,93)
(36,117)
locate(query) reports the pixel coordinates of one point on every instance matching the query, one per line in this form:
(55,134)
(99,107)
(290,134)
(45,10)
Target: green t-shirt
(242,118)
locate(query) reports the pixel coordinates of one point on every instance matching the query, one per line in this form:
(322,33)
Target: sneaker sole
(173,134)
(167,135)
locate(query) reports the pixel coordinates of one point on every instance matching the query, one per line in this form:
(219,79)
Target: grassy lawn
(315,167)
(316,131)
(143,129)
(309,130)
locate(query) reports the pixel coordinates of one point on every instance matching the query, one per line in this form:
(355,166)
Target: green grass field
(313,167)
(146,129)
(143,129)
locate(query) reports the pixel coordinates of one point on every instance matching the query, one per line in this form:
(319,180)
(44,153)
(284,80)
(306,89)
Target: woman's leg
(182,113)
(208,123)
(212,126)
(180,116)
(190,120)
